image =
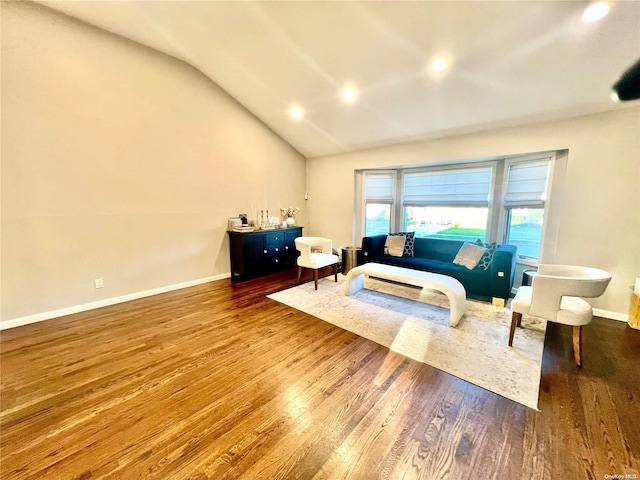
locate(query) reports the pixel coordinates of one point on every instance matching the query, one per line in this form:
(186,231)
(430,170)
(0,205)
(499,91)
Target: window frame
(506,207)
(497,213)
(508,210)
(377,201)
(454,167)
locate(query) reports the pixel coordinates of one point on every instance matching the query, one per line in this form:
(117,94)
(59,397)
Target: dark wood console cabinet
(258,253)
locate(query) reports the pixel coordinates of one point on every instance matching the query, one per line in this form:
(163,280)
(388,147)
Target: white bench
(451,287)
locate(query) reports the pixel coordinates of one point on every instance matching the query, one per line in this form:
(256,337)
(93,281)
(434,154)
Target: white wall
(598,205)
(122,163)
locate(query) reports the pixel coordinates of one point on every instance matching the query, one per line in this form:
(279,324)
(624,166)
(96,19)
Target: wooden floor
(217,381)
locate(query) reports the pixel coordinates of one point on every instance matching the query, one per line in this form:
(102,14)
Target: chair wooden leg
(335,272)
(577,345)
(315,278)
(516,318)
(299,273)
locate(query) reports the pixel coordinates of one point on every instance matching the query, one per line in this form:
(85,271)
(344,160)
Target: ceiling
(511,63)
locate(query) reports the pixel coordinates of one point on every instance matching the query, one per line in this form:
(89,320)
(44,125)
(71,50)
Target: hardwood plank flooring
(219,382)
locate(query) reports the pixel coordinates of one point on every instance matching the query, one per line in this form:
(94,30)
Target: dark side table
(527,277)
(351,258)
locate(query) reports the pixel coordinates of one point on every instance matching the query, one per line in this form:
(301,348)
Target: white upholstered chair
(316,253)
(555,296)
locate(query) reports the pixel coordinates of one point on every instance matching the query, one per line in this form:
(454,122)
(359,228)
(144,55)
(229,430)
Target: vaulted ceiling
(509,63)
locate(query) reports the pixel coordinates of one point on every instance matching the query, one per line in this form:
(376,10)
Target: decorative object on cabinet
(267,222)
(289,213)
(233,223)
(239,224)
(257,253)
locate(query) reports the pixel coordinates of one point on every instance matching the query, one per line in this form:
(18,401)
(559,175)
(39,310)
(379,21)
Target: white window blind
(455,187)
(379,187)
(527,183)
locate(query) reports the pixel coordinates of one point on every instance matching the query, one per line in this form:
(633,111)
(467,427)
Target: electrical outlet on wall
(98,283)
(497,302)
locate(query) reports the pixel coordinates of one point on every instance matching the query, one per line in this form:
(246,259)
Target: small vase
(290,221)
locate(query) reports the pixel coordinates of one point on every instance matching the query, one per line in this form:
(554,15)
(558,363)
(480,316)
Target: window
(524,229)
(447,203)
(379,192)
(502,200)
(377,218)
(524,201)
(453,223)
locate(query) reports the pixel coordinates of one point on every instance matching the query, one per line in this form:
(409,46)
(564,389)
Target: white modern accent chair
(316,253)
(554,295)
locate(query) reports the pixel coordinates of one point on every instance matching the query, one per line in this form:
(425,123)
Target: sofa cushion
(437,248)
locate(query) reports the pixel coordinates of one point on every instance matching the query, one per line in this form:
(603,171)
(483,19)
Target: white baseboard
(622,317)
(39,317)
(599,312)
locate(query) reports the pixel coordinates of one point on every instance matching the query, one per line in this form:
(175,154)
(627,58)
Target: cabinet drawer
(274,244)
(274,240)
(275,261)
(289,248)
(290,241)
(274,251)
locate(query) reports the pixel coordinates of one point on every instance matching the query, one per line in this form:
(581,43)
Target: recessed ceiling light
(440,64)
(348,95)
(296,113)
(595,12)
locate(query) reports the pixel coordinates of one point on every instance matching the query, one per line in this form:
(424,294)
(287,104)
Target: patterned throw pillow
(487,258)
(408,243)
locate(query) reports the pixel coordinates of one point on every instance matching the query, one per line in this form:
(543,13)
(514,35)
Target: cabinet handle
(286,247)
(277,260)
(276,249)
(264,251)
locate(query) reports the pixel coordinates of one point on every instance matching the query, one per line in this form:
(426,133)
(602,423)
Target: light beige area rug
(415,323)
